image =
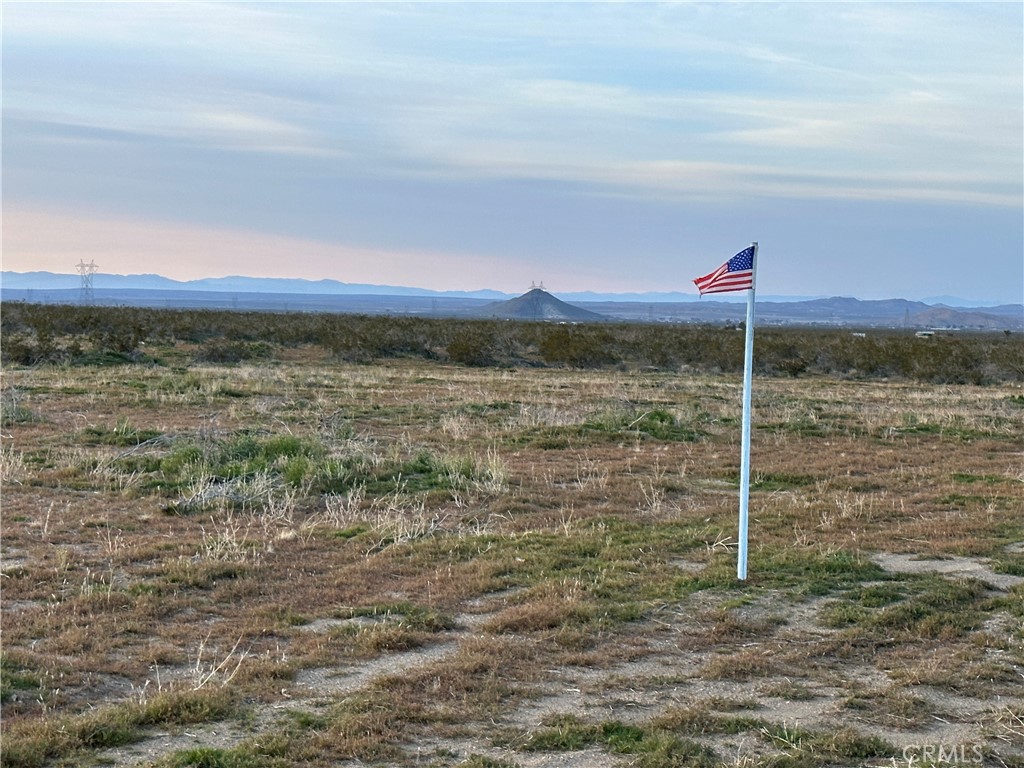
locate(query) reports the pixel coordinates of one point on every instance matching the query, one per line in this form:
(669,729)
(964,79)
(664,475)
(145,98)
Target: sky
(873,150)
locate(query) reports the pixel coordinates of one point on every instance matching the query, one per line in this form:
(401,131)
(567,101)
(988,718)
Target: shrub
(228,351)
(40,334)
(578,346)
(472,346)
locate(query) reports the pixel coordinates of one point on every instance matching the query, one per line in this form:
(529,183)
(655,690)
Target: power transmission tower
(86,296)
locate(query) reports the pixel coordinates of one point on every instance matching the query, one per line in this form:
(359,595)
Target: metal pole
(748,366)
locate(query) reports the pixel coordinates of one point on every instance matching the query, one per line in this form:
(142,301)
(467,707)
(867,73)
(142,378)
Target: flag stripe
(740,281)
(710,279)
(732,282)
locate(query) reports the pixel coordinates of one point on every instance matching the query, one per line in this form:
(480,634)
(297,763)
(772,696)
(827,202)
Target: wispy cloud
(370,89)
(282,109)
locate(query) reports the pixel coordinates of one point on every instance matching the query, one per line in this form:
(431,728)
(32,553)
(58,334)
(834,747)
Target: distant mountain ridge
(43,281)
(267,294)
(837,311)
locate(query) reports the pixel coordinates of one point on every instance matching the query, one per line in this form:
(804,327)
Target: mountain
(269,294)
(538,304)
(957,301)
(835,311)
(672,297)
(947,317)
(299,285)
(48,281)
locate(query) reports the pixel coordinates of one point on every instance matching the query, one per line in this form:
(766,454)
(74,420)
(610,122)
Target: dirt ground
(417,564)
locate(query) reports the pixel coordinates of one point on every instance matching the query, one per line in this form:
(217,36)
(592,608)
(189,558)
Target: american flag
(737,274)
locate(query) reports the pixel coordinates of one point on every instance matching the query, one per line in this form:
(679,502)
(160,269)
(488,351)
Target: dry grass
(181,545)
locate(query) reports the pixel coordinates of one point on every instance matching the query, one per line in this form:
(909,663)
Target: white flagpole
(748,366)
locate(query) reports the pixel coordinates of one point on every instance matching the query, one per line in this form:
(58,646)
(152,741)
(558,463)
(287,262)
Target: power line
(86,295)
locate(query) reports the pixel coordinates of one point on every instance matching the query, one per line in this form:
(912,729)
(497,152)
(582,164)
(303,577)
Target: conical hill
(538,304)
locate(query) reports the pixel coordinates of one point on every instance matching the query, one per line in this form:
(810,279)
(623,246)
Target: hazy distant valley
(244,293)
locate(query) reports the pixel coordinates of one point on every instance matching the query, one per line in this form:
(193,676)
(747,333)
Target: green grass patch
(939,609)
(424,472)
(878,595)
(662,425)
(916,606)
(773,481)
(245,468)
(620,562)
(769,481)
(408,614)
(800,572)
(805,748)
(613,427)
(1012,564)
(970,479)
(34,743)
(480,761)
(307,721)
(188,574)
(962,500)
(562,733)
(215,757)
(701,721)
(650,747)
(16,678)
(121,435)
(891,708)
(801,427)
(953,431)
(496,408)
(352,531)
(12,413)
